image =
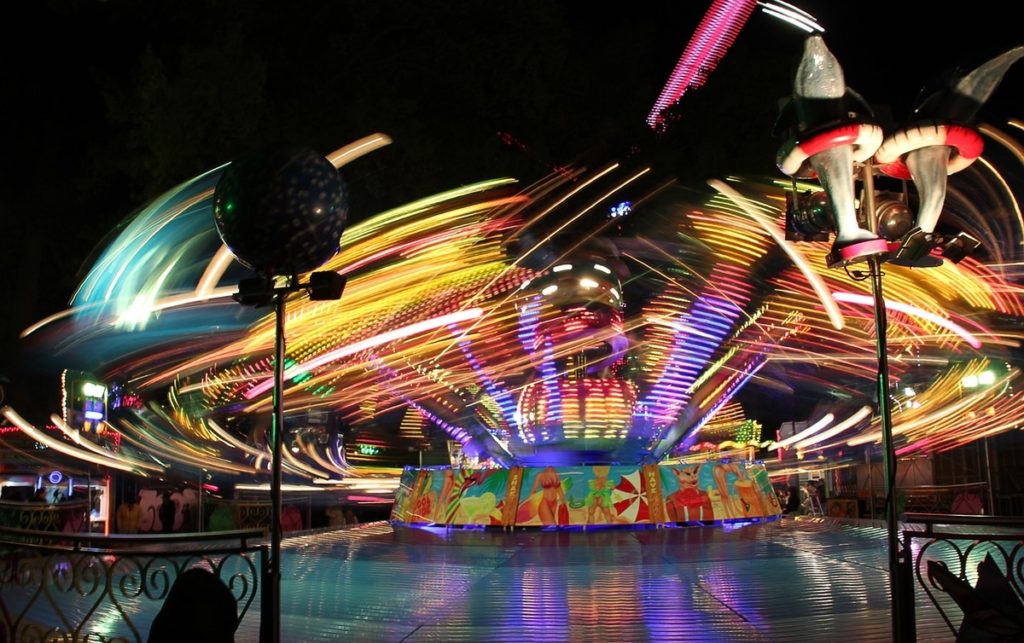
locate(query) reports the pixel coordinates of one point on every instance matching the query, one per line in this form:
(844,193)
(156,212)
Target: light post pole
(281,212)
(829,139)
(884,408)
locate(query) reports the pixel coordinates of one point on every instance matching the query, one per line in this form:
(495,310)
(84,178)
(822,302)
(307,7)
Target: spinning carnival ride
(601,318)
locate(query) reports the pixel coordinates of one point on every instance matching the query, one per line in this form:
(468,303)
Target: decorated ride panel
(579,496)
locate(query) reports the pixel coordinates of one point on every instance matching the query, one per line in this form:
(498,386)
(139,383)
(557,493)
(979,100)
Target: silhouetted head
(199,608)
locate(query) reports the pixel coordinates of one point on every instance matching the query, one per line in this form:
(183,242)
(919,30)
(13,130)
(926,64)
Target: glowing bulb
(91,389)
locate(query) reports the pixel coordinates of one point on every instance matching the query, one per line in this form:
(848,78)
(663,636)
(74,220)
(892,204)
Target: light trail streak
(798,259)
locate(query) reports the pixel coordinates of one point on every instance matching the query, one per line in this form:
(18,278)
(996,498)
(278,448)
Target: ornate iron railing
(939,564)
(86,587)
(236,514)
(64,516)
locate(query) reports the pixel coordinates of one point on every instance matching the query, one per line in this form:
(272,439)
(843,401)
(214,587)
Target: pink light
(712,38)
(13,429)
(370,342)
(910,448)
(956,329)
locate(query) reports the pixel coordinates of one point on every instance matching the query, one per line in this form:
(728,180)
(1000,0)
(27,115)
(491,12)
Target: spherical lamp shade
(281,211)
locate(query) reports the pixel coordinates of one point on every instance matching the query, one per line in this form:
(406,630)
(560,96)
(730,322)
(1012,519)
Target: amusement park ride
(581,350)
(584,366)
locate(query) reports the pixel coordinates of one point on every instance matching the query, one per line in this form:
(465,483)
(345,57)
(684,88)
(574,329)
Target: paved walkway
(794,580)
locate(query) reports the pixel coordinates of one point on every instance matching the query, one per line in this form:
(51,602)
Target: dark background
(108,104)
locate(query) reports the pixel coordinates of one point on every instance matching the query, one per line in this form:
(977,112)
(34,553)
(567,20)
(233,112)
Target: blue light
(620,210)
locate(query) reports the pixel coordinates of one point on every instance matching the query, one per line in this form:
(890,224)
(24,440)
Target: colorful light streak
(856,418)
(58,445)
(366,344)
(708,45)
(812,277)
(439,317)
(864,300)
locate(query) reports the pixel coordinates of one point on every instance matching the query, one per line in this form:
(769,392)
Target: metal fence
(88,587)
(970,569)
(64,516)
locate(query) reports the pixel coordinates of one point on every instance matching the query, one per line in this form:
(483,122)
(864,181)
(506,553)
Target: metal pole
(871,484)
(88,505)
(275,487)
(885,412)
(988,478)
(891,524)
(199,517)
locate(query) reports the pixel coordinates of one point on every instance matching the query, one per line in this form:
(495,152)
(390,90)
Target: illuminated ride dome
(585,342)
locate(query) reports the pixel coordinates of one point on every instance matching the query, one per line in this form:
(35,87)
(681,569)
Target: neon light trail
(513,322)
(708,45)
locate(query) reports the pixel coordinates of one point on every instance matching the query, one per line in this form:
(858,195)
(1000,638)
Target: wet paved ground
(794,580)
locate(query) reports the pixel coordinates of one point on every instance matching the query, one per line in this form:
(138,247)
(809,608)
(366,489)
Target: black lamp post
(281,212)
(832,134)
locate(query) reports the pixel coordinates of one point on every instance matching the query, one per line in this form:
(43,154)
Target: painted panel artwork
(716,491)
(581,496)
(477,497)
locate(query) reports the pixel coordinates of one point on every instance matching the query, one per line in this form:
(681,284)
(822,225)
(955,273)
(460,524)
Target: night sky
(108,104)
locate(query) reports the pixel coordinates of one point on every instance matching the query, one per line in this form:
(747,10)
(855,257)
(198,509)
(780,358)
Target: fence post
(267,618)
(907,618)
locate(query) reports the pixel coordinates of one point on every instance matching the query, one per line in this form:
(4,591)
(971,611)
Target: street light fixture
(834,135)
(281,212)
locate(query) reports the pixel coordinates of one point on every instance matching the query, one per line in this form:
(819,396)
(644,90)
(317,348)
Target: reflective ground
(794,580)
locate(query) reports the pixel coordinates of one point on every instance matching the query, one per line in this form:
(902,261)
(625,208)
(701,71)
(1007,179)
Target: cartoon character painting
(546,506)
(599,498)
(724,476)
(585,496)
(688,502)
(478,497)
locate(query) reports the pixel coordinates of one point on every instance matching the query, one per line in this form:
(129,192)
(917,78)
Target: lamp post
(281,212)
(884,411)
(322,286)
(833,133)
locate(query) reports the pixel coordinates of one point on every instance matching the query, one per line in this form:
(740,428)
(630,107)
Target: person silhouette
(199,609)
(167,511)
(792,501)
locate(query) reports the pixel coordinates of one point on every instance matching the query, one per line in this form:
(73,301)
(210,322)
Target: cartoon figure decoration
(548,505)
(599,499)
(440,509)
(427,497)
(717,491)
(479,497)
(688,502)
(402,496)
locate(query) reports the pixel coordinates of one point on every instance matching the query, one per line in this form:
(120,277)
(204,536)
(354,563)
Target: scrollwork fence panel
(54,593)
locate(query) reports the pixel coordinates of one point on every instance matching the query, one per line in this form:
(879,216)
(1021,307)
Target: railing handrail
(37,504)
(128,553)
(941,487)
(109,576)
(931,519)
(241,535)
